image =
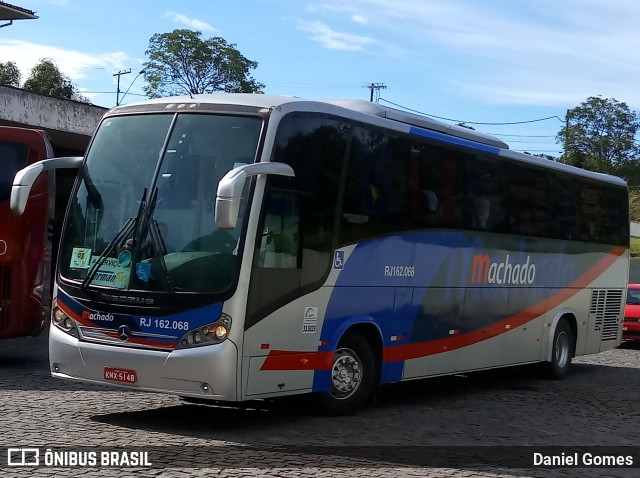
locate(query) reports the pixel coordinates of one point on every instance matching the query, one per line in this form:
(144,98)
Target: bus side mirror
(24,179)
(231,185)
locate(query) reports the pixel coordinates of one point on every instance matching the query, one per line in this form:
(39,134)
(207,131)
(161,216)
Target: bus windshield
(13,157)
(142,217)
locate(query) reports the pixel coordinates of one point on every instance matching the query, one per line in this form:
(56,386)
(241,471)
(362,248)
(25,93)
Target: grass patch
(635,247)
(634,204)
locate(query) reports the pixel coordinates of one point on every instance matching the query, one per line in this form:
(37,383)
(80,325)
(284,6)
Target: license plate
(120,375)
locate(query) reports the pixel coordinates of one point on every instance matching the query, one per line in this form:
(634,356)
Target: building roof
(12,12)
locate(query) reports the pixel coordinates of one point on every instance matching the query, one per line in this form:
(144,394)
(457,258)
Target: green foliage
(45,78)
(180,62)
(10,74)
(634,204)
(599,136)
(635,247)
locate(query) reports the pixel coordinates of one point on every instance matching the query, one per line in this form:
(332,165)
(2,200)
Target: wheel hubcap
(346,373)
(562,349)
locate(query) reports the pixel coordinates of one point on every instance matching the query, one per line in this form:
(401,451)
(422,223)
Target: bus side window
(590,213)
(293,246)
(486,211)
(280,244)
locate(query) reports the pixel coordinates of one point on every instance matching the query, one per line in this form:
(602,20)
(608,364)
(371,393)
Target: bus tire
(561,351)
(353,372)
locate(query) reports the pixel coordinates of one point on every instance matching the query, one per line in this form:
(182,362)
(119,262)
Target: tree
(10,74)
(45,78)
(599,136)
(180,62)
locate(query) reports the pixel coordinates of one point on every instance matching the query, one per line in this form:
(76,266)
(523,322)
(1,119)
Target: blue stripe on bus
(423,287)
(446,138)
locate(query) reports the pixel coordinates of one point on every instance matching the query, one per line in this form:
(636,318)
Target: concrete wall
(69,124)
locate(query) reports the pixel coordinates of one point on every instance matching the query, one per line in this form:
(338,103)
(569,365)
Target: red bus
(25,241)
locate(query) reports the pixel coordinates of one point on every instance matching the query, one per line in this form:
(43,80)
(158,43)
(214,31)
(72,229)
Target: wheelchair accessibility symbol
(338,260)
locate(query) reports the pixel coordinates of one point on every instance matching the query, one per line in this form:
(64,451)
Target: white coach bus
(238,247)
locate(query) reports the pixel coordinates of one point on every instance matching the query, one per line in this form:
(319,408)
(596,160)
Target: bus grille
(110,336)
(606,305)
(5,296)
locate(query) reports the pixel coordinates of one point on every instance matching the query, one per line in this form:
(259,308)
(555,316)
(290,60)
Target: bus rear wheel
(561,351)
(352,377)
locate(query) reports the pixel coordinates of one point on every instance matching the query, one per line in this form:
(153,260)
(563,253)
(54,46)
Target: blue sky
(489,61)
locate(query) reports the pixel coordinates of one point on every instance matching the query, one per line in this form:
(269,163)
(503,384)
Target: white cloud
(535,52)
(334,40)
(72,63)
(192,23)
(359,19)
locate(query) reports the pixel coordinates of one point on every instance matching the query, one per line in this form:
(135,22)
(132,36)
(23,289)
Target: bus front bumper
(208,372)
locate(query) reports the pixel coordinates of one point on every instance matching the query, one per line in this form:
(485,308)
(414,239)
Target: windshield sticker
(143,271)
(80,257)
(338,260)
(111,274)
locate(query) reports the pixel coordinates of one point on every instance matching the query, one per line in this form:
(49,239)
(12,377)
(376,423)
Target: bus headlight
(221,332)
(209,334)
(60,319)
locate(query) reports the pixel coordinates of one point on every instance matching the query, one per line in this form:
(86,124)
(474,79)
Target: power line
(134,80)
(526,135)
(538,150)
(471,122)
(109,93)
(309,85)
(527,141)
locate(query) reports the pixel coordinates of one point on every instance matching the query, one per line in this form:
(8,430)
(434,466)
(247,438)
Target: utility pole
(119,74)
(566,135)
(375,87)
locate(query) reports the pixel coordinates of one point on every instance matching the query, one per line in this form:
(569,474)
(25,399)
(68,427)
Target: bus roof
(361,106)
(21,134)
(360,109)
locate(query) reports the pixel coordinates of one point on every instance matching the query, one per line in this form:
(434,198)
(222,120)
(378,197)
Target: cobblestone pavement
(596,406)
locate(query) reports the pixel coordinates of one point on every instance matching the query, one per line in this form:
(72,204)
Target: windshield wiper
(122,234)
(157,242)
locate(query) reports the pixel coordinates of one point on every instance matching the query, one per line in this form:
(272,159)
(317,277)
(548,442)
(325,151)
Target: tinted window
(528,200)
(565,206)
(293,250)
(374,203)
(13,157)
(486,195)
(396,184)
(633,296)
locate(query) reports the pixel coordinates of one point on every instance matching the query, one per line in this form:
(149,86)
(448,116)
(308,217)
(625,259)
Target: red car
(631,326)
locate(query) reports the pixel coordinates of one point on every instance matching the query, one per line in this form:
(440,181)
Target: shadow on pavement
(481,422)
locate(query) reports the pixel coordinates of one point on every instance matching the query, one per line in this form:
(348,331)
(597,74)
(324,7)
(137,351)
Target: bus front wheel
(352,377)
(561,351)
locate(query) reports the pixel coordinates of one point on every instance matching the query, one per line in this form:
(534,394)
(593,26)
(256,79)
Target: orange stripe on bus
(291,360)
(423,349)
